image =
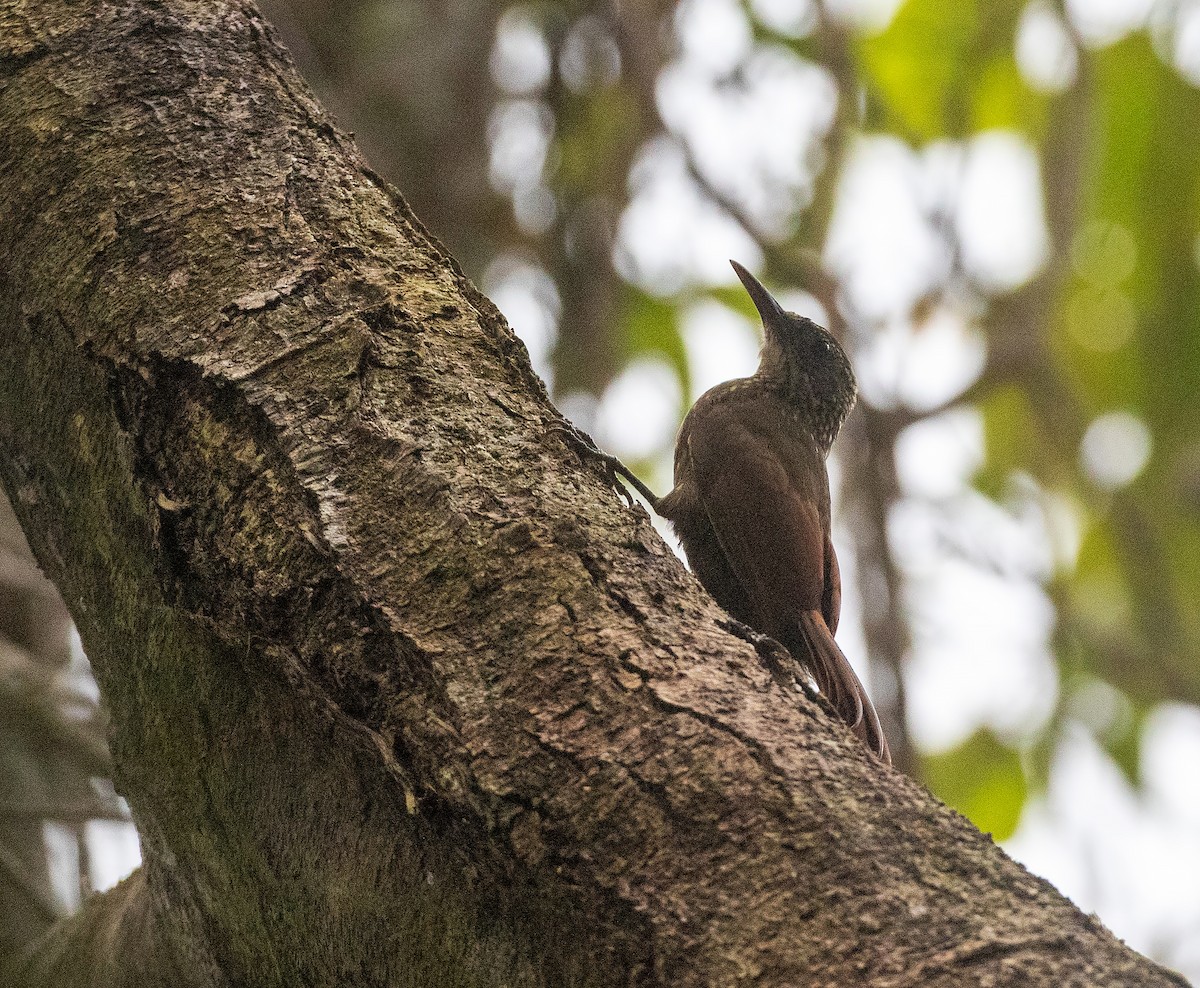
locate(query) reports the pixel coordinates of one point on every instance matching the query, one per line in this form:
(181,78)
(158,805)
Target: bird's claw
(787,671)
(583,446)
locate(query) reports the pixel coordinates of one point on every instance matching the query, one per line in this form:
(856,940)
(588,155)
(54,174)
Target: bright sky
(980,654)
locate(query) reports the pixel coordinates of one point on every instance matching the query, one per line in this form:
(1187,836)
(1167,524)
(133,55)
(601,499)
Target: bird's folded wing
(831,603)
(769,529)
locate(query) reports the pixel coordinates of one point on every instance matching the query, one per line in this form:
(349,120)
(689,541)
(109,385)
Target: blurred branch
(37,711)
(870,485)
(29,886)
(870,488)
(50,743)
(605,126)
(77,812)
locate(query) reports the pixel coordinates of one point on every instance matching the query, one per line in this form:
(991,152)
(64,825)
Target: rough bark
(401,693)
(422,119)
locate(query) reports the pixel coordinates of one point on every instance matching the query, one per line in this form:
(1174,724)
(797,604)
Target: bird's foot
(583,446)
(788,671)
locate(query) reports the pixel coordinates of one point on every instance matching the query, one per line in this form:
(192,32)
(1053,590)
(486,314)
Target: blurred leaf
(1144,191)
(1125,335)
(1125,747)
(942,69)
(652,326)
(1039,758)
(1004,100)
(1098,603)
(593,134)
(983,780)
(1110,714)
(1099,556)
(913,63)
(1010,430)
(734,297)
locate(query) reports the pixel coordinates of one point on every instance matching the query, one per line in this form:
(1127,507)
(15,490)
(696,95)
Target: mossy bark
(401,693)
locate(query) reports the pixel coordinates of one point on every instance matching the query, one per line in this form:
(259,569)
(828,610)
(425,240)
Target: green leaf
(982,779)
(1125,748)
(734,297)
(1009,429)
(940,69)
(652,326)
(1126,336)
(1003,100)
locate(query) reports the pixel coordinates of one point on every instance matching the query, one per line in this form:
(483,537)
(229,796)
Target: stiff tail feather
(839,684)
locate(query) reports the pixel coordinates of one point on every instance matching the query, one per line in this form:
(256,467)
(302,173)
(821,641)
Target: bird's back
(738,439)
(751,508)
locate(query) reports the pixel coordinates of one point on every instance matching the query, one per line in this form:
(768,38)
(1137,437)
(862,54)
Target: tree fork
(401,693)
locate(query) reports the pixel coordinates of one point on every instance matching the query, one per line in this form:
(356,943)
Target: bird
(750,503)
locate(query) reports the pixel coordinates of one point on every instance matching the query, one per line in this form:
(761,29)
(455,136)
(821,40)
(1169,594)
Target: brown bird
(751,499)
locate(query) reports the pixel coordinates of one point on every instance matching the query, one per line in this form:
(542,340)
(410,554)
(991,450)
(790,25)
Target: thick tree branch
(401,694)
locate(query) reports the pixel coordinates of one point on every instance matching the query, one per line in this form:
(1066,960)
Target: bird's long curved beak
(770,310)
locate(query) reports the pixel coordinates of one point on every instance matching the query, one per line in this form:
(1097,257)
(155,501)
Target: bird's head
(804,360)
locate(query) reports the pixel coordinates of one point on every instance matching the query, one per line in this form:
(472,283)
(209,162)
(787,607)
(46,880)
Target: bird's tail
(838,683)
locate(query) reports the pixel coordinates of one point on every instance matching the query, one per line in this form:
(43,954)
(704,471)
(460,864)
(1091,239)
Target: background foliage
(995,204)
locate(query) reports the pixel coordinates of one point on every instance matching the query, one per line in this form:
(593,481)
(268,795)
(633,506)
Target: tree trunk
(401,693)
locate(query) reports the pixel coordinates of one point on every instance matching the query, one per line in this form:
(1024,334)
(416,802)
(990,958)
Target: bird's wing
(764,503)
(831,604)
(768,473)
(764,514)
